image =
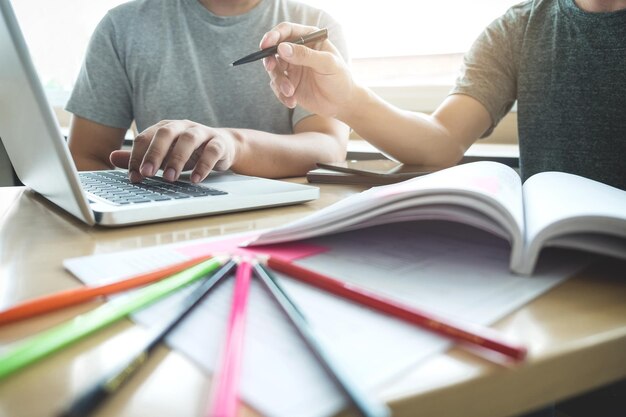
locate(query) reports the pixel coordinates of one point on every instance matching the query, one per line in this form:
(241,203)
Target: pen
(474,335)
(45,343)
(47,303)
(363,404)
(226,378)
(95,395)
(316,36)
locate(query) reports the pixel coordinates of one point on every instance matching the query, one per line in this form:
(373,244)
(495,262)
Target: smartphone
(378,168)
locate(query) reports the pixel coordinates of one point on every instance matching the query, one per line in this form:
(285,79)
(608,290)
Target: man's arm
(436,140)
(321,82)
(180,145)
(91,144)
(315,139)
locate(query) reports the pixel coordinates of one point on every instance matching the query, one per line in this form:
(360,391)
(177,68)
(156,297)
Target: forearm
(91,144)
(317,80)
(410,137)
(275,156)
(88,162)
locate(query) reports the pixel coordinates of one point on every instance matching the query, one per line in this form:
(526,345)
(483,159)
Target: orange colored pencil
(62,299)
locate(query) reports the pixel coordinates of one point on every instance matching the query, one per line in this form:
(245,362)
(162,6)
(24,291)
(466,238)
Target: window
(410,51)
(57,34)
(393,43)
(402,28)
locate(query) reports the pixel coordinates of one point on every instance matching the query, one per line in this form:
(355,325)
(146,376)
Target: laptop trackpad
(221,177)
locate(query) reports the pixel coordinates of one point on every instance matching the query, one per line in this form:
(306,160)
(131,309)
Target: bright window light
(411,42)
(391,42)
(394,28)
(57,34)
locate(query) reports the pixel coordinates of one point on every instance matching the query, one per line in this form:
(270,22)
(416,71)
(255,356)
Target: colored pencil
(45,343)
(463,332)
(224,396)
(96,394)
(365,406)
(51,302)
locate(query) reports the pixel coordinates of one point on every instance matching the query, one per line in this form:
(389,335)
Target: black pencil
(316,36)
(96,394)
(362,403)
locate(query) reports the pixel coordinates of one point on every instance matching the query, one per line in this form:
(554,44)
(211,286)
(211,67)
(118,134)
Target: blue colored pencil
(365,406)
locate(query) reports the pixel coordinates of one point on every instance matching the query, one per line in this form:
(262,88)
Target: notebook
(41,159)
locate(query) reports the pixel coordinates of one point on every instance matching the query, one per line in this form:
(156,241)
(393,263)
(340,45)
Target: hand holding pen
(317,79)
(310,38)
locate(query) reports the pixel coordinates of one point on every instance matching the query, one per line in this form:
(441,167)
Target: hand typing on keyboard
(176,146)
(114,187)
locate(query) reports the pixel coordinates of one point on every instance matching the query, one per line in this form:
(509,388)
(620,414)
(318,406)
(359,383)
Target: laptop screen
(28,127)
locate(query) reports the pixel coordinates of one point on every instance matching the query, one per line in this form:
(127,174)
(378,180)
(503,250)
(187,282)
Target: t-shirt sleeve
(336,36)
(490,67)
(102,91)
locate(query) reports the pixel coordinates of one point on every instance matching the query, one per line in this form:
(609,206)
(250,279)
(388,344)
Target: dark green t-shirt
(567,70)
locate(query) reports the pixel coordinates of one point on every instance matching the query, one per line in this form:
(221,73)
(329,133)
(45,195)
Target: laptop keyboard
(115,188)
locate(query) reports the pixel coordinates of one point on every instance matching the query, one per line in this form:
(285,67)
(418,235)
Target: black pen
(316,36)
(95,395)
(365,406)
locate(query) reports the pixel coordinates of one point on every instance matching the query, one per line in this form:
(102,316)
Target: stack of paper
(451,270)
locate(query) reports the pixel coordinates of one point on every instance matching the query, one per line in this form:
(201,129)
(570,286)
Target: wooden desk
(576,333)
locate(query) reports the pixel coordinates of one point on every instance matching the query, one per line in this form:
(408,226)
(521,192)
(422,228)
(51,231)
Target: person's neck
(601,6)
(229,7)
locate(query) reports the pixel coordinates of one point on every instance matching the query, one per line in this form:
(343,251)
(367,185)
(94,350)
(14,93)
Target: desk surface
(576,333)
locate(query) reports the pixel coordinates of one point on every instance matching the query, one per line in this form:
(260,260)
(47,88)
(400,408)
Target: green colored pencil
(43,344)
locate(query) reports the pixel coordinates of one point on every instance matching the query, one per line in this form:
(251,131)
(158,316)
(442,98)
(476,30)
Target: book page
(557,204)
(444,268)
(490,188)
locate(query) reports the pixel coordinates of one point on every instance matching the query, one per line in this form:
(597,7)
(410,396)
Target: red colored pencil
(478,336)
(56,301)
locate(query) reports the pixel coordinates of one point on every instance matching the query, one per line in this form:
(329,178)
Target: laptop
(41,159)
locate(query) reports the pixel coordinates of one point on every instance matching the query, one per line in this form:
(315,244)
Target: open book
(549,209)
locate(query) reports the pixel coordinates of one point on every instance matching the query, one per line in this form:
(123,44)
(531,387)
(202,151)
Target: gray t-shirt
(152,60)
(567,70)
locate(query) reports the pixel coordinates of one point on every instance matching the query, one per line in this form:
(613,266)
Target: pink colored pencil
(224,401)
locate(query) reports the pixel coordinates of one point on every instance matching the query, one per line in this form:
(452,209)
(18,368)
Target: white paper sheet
(448,269)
